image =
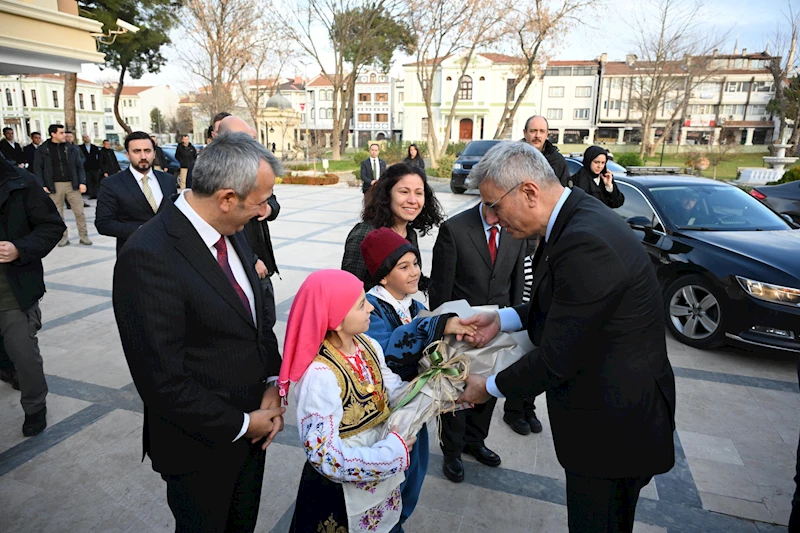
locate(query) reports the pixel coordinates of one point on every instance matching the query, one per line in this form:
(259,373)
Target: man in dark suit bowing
(130,198)
(474,260)
(191,321)
(596,316)
(372,168)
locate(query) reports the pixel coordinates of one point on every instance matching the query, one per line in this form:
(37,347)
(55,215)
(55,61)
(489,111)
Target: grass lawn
(333,166)
(725,170)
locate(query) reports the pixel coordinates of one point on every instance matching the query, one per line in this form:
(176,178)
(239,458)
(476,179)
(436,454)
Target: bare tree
(70,87)
(536,27)
(676,51)
(726,151)
(782,64)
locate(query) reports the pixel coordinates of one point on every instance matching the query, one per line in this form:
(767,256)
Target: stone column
(592,132)
(476,133)
(748,140)
(560,136)
(620,135)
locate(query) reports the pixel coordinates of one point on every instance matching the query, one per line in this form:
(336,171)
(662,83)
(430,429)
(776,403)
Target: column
(620,135)
(476,128)
(592,132)
(748,140)
(560,136)
(717,136)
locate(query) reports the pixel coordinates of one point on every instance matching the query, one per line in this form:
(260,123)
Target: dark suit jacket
(30,154)
(367,175)
(597,319)
(122,207)
(585,180)
(462,267)
(12,153)
(91,157)
(196,357)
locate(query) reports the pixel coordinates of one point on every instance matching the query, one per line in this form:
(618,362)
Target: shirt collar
(486,225)
(556,211)
(138,175)
(206,231)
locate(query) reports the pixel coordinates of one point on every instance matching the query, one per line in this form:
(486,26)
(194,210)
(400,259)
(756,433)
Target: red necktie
(493,243)
(222,259)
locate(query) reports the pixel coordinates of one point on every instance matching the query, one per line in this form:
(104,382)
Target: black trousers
(92,182)
(794,517)
(469,427)
(596,505)
(222,498)
(520,407)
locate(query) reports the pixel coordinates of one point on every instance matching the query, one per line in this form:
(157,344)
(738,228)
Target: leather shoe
(536,426)
(10,377)
(453,469)
(483,455)
(518,424)
(35,423)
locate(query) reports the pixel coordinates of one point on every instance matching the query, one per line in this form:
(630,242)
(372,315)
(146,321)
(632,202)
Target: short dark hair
(70,132)
(35,133)
(547,122)
(106,141)
(138,136)
(53,128)
(209,131)
(378,200)
(375,144)
(184,135)
(7,129)
(219,116)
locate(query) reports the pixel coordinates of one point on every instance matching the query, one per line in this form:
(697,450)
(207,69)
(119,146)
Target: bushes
(359,156)
(327,179)
(357,174)
(793,174)
(455,148)
(628,159)
(445,165)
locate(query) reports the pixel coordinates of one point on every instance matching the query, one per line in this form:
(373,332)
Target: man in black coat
(186,154)
(597,319)
(191,322)
(130,198)
(108,161)
(474,260)
(30,149)
(30,227)
(372,168)
(91,164)
(536,130)
(11,149)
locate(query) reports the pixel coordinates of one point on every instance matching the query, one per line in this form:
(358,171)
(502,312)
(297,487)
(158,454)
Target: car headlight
(770,293)
(457,166)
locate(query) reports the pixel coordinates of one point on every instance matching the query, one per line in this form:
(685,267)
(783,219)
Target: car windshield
(715,207)
(614,167)
(478,148)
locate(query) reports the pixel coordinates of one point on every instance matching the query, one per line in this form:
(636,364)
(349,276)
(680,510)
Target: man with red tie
(474,260)
(191,320)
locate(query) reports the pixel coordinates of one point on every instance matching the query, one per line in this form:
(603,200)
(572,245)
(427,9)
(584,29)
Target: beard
(142,166)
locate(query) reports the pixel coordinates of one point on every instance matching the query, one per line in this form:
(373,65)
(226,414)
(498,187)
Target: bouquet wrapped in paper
(445,366)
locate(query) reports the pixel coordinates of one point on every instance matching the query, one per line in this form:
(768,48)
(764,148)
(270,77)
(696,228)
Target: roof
(127,90)
(494,58)
(321,80)
(58,77)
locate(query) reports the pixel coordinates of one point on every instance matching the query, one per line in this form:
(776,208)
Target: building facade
(135,105)
(569,92)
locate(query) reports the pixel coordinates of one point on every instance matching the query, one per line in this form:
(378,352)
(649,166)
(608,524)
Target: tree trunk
(70,87)
(117,93)
(507,122)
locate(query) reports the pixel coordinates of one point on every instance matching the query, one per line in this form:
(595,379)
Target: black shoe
(453,469)
(86,204)
(10,376)
(35,423)
(536,426)
(519,425)
(483,455)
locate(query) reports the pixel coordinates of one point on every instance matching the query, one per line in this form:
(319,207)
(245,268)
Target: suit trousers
(182,184)
(794,517)
(596,505)
(19,339)
(63,191)
(521,407)
(92,183)
(469,427)
(222,498)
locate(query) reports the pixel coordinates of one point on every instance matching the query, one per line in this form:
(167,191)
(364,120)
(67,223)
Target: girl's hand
(455,327)
(608,178)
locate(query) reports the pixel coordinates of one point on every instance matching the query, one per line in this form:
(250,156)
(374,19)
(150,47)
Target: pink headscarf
(321,304)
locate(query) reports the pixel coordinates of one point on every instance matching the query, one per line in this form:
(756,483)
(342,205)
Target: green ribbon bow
(420,381)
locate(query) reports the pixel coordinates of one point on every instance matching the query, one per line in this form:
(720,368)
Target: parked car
(575,163)
(467,159)
(122,159)
(728,264)
(173,167)
(783,198)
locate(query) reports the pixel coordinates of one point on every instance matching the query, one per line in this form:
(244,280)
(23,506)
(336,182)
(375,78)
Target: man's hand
(475,391)
(453,326)
(272,400)
(105,174)
(269,212)
(487,326)
(45,189)
(261,269)
(82,188)
(8,252)
(263,422)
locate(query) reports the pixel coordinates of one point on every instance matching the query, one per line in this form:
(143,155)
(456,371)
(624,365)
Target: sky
(607,29)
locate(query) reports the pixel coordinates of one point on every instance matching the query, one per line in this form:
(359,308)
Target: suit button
(494,278)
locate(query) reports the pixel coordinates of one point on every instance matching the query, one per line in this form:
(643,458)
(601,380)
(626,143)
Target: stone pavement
(737,419)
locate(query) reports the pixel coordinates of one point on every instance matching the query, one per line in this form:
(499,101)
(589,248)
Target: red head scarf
(321,304)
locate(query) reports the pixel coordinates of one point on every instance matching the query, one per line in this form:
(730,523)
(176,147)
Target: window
(96,130)
(737,86)
(323,113)
(582,114)
(756,110)
(83,128)
(424,126)
(465,88)
(330,113)
(33,98)
(313,114)
(733,110)
(9,99)
(109,121)
(382,117)
(636,206)
(584,71)
(401,97)
(55,98)
(510,86)
(80,100)
(763,86)
(613,104)
(381,97)
(584,91)
(364,97)
(616,83)
(364,117)
(556,92)
(24,101)
(373,78)
(329,96)
(702,109)
(94,105)
(558,71)
(554,114)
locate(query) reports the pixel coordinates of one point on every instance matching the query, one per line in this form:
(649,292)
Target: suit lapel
(504,249)
(191,246)
(478,237)
(135,191)
(249,270)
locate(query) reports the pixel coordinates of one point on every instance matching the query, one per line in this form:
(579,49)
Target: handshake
(486,326)
(266,422)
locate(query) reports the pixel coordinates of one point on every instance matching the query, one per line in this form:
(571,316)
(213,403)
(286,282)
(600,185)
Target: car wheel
(456,189)
(694,312)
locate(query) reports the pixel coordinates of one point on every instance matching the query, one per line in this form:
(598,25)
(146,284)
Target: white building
(32,102)
(135,105)
(568,99)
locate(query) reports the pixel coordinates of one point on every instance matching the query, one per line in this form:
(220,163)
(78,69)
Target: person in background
(535,133)
(91,164)
(30,149)
(108,161)
(414,158)
(186,154)
(160,160)
(596,180)
(11,149)
(372,168)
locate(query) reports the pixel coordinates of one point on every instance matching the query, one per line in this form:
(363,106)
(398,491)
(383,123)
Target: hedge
(327,179)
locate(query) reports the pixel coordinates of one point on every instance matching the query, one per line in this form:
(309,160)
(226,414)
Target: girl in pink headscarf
(344,390)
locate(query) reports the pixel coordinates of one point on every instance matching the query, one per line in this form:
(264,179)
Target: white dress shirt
(210,237)
(375,163)
(155,188)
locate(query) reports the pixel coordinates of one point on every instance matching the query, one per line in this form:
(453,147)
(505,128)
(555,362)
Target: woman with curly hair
(401,200)
(414,158)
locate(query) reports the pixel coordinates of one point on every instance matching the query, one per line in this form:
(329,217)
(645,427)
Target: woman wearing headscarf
(596,179)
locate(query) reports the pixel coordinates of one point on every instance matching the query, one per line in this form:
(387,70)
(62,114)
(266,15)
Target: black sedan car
(467,159)
(728,264)
(783,198)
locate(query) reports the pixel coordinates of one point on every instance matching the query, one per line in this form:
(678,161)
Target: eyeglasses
(493,207)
